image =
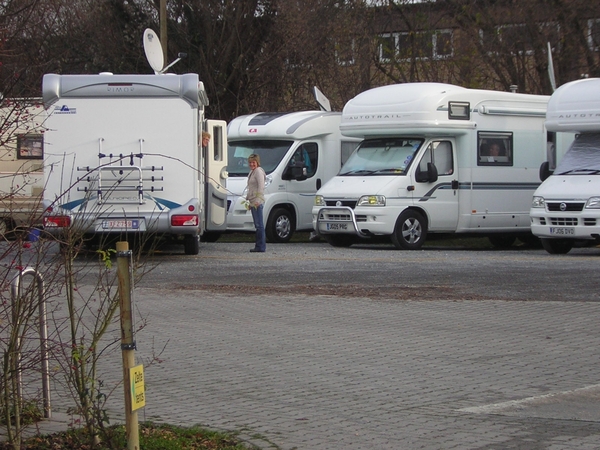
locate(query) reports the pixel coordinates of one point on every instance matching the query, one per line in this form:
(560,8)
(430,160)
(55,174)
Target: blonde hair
(254,157)
(206,134)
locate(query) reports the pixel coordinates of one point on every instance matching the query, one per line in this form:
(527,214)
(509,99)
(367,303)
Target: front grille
(332,217)
(348,203)
(568,206)
(564,221)
(361,218)
(589,222)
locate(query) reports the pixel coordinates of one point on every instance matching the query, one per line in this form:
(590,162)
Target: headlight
(538,202)
(593,203)
(319,200)
(371,200)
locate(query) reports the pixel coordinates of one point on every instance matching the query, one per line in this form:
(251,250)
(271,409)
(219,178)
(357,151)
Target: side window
(440,154)
(551,149)
(30,146)
(306,156)
(494,148)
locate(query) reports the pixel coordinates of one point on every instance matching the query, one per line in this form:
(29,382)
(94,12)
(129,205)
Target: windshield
(270,152)
(382,157)
(583,157)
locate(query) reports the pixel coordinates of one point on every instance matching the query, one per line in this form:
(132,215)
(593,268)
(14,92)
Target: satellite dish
(321,99)
(153,50)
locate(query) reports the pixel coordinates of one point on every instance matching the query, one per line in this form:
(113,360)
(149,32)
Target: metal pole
(15,293)
(127,342)
(163,27)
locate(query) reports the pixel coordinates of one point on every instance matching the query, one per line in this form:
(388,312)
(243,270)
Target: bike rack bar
(15,293)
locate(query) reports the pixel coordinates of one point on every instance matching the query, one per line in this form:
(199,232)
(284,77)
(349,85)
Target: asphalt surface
(439,349)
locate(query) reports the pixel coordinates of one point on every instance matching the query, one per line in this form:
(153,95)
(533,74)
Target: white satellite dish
(322,101)
(153,50)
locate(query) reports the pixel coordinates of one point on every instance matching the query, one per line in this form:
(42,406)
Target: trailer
(21,164)
(124,158)
(436,158)
(299,152)
(565,211)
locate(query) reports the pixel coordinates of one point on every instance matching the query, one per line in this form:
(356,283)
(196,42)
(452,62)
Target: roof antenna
(154,53)
(551,68)
(321,99)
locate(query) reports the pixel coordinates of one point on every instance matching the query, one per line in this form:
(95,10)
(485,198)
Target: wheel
(502,241)
(410,231)
(557,246)
(340,240)
(210,236)
(280,226)
(191,244)
(3,228)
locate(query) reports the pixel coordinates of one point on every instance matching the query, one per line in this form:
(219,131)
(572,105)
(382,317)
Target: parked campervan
(124,156)
(436,158)
(21,164)
(566,207)
(299,152)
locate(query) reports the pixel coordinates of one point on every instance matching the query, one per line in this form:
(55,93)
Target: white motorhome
(299,152)
(21,163)
(436,158)
(124,156)
(566,207)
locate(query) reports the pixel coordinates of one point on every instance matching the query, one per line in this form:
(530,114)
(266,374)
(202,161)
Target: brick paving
(324,372)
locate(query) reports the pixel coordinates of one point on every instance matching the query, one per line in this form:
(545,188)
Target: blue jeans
(257,217)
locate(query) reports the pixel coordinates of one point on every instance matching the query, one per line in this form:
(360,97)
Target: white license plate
(337,226)
(133,224)
(562,231)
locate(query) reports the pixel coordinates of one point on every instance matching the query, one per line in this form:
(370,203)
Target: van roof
(575,107)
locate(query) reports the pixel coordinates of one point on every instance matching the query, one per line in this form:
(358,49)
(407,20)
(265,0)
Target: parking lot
(313,347)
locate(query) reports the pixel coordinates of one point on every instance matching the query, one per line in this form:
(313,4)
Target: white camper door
(439,198)
(215,168)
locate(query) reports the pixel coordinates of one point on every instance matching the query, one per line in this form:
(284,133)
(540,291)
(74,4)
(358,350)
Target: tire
(210,236)
(557,246)
(340,240)
(280,226)
(502,242)
(191,244)
(410,231)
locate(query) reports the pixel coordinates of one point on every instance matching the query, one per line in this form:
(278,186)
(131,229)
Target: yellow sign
(138,396)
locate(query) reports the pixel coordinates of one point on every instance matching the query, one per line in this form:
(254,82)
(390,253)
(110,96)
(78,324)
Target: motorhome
(566,207)
(21,164)
(436,158)
(299,152)
(123,156)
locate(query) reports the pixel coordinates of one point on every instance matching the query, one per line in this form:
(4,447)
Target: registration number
(133,224)
(337,226)
(562,231)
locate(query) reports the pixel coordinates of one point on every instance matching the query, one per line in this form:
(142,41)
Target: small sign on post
(138,396)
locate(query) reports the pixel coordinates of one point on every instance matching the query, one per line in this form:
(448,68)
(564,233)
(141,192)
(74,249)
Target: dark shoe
(255,250)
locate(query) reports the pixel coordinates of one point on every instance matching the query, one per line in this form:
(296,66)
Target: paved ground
(310,371)
(321,372)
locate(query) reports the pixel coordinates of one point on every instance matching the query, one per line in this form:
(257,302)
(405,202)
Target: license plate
(337,226)
(562,231)
(133,224)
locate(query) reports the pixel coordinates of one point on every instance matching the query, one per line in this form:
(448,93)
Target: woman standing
(256,199)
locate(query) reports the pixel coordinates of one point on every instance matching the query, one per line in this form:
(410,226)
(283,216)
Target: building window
(415,45)
(594,34)
(30,146)
(344,52)
(517,39)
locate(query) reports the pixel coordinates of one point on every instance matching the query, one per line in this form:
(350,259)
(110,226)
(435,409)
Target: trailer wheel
(502,242)
(410,231)
(340,240)
(280,226)
(557,246)
(191,244)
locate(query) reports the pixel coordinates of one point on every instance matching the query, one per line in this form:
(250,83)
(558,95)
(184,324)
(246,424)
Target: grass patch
(152,437)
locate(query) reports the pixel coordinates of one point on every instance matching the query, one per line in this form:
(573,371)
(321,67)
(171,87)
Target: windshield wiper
(354,172)
(581,171)
(391,169)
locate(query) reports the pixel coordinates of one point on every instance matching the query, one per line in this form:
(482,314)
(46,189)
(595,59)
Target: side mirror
(429,176)
(545,171)
(294,172)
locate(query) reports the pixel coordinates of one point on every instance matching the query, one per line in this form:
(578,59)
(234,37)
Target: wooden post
(163,28)
(127,342)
